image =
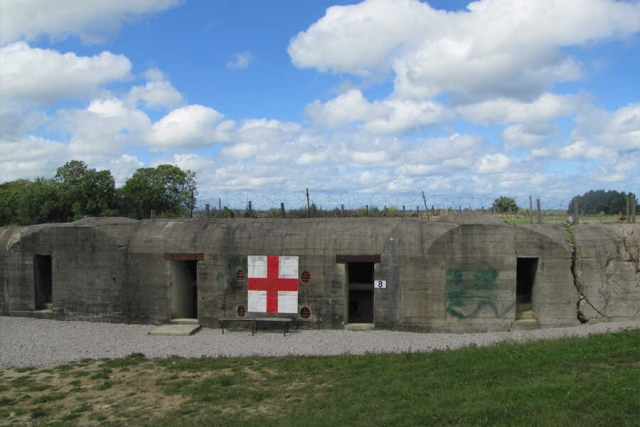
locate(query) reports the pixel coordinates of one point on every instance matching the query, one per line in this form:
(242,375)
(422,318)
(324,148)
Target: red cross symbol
(272,283)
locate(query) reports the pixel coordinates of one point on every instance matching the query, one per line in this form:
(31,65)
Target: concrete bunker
(526,269)
(43,282)
(455,276)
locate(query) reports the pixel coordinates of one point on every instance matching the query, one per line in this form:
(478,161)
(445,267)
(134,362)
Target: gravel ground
(34,342)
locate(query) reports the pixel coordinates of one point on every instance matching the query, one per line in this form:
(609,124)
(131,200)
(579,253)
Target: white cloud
(371,158)
(103,128)
(623,170)
(619,130)
(582,150)
(243,150)
(439,156)
(495,48)
(623,129)
(408,115)
(266,131)
(379,117)
(123,167)
(189,126)
(348,107)
(92,21)
(358,39)
(541,152)
(241,60)
(545,108)
(518,137)
(158,92)
(494,163)
(307,159)
(43,75)
(30,157)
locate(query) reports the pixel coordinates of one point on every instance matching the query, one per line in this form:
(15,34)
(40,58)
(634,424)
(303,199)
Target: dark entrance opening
(43,282)
(184,289)
(525,278)
(360,279)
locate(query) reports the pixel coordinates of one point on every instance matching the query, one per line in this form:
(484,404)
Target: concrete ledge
(176,330)
(184,321)
(359,327)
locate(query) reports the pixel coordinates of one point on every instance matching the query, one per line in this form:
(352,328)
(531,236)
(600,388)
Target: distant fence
(307,203)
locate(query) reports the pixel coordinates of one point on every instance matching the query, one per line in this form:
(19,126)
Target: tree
(504,204)
(599,201)
(39,202)
(10,193)
(166,189)
(84,191)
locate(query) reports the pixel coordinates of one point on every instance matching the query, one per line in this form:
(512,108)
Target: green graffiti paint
(469,294)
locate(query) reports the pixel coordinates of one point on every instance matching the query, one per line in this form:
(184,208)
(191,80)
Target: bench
(285,322)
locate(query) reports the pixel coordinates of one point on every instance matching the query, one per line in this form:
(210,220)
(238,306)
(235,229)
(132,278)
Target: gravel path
(34,342)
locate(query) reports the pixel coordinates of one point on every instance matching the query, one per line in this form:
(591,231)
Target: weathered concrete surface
(607,271)
(441,276)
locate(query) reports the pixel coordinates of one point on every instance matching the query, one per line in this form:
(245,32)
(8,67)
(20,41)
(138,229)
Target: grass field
(592,381)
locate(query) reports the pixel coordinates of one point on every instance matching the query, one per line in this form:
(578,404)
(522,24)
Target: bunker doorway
(43,281)
(360,303)
(525,279)
(184,289)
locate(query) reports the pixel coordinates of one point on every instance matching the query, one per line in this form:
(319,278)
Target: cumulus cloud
(619,130)
(189,126)
(379,117)
(266,131)
(494,163)
(240,61)
(440,156)
(495,48)
(123,167)
(30,157)
(623,170)
(623,128)
(518,137)
(158,92)
(545,108)
(358,39)
(92,21)
(103,128)
(44,75)
(582,150)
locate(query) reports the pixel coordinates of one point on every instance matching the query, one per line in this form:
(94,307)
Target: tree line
(77,191)
(599,201)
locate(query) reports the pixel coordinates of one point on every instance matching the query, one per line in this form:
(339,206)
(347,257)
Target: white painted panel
(258,301)
(289,267)
(257,266)
(287,302)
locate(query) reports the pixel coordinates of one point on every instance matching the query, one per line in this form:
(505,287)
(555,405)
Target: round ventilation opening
(241,311)
(305,313)
(306,277)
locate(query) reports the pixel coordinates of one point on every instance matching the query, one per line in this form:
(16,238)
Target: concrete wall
(457,275)
(607,271)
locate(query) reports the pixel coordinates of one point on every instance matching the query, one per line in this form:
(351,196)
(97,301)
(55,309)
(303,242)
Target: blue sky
(367,102)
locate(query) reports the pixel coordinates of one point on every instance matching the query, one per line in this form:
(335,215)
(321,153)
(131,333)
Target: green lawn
(592,381)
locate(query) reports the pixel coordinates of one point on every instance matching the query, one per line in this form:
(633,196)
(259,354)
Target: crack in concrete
(577,279)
